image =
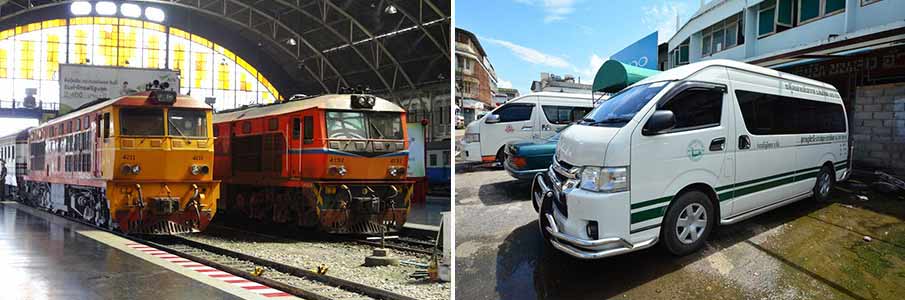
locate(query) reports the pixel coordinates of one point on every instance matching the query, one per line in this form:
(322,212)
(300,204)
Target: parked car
(526,159)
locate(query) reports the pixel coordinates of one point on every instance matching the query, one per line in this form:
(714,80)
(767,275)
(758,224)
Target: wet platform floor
(45,257)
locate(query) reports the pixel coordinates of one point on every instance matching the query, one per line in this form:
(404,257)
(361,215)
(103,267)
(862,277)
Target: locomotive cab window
(361,125)
(140,122)
(309,130)
(187,123)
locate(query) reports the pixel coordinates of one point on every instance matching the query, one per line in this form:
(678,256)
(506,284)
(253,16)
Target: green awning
(613,76)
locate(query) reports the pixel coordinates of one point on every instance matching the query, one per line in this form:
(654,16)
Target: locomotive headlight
(200,169)
(127,169)
(396,171)
(338,170)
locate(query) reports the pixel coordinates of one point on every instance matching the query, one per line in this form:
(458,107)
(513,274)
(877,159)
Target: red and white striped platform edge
(246,284)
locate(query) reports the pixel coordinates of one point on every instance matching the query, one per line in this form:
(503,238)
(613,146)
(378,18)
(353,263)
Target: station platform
(43,256)
(427,214)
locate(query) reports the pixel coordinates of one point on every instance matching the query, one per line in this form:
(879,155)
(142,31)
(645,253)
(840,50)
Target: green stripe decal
(763,184)
(645,215)
(651,202)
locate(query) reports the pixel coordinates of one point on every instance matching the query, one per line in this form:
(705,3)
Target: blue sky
(523,38)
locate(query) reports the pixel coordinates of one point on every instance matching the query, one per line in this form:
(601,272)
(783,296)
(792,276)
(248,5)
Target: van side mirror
(661,120)
(492,118)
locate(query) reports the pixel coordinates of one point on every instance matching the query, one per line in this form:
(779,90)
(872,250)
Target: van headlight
(472,137)
(603,179)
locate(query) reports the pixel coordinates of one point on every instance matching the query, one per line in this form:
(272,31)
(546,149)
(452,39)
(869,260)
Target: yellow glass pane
(155,26)
(81,46)
(153,57)
(130,22)
(7,34)
(53,23)
(202,41)
(26,59)
(53,56)
(3,63)
(179,33)
(81,21)
(200,73)
(106,20)
(223,76)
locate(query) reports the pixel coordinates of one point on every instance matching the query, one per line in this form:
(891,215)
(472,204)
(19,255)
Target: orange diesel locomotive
(334,162)
(138,164)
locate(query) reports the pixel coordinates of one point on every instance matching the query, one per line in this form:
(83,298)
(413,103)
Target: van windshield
(621,108)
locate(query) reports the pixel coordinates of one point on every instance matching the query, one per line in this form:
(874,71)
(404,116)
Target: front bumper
(472,152)
(568,232)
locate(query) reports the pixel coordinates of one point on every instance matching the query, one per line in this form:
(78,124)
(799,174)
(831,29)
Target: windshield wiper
(611,121)
(169,121)
(380,134)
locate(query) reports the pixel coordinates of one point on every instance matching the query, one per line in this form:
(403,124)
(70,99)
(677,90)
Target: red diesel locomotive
(334,162)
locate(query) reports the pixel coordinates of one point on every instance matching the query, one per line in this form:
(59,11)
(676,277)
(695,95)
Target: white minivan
(532,116)
(674,155)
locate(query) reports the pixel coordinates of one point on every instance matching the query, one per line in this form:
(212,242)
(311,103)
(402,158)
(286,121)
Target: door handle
(744,142)
(718,144)
(526,128)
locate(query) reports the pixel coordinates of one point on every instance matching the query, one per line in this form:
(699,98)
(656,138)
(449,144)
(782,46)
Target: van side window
(696,108)
(564,114)
(515,112)
(766,114)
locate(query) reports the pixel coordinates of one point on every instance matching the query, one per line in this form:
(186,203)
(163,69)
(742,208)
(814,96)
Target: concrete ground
(804,250)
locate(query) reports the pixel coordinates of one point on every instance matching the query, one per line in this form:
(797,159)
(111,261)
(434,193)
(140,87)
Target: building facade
(856,45)
(475,77)
(554,83)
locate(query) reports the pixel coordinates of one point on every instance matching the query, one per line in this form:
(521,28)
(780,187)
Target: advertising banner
(80,84)
(416,150)
(642,54)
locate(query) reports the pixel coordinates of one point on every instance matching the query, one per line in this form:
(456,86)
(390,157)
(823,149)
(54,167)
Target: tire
(826,179)
(685,237)
(501,156)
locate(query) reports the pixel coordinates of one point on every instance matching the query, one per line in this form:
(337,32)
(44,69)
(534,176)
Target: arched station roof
(306,46)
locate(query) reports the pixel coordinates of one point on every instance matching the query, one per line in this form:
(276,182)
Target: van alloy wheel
(691,223)
(823,184)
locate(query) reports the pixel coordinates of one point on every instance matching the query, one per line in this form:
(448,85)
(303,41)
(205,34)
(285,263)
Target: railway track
(419,245)
(297,281)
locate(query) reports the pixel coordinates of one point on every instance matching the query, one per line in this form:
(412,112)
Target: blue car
(524,159)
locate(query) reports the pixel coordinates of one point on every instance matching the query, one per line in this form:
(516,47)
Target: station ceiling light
(80,8)
(154,14)
(130,10)
(105,8)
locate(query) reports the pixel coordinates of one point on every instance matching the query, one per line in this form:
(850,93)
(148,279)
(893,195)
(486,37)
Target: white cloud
(504,84)
(530,55)
(587,73)
(662,17)
(554,10)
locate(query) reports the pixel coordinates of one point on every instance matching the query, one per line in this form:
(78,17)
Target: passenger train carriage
(139,164)
(334,162)
(13,151)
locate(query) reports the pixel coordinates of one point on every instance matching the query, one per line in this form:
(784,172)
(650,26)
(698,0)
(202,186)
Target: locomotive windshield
(187,123)
(364,125)
(141,121)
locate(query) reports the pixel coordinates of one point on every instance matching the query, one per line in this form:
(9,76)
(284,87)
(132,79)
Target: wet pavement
(808,249)
(45,257)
